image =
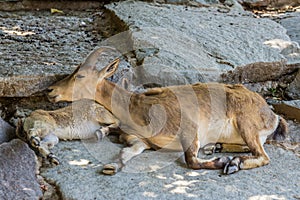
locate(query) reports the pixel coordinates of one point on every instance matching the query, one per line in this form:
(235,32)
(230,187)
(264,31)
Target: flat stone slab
(153,175)
(178,44)
(290,109)
(18,168)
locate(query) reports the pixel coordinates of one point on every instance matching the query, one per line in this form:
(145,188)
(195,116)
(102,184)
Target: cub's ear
(20,130)
(110,69)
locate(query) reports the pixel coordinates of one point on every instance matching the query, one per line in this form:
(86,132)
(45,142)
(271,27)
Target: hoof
(232,166)
(209,149)
(99,134)
(218,148)
(35,142)
(53,159)
(110,169)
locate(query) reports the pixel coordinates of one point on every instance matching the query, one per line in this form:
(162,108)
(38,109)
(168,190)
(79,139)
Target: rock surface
(288,22)
(18,167)
(7,132)
(40,48)
(152,176)
(179,50)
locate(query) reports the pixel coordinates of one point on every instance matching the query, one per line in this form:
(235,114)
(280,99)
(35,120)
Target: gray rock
(288,21)
(263,88)
(18,168)
(289,49)
(294,136)
(197,44)
(7,132)
(293,89)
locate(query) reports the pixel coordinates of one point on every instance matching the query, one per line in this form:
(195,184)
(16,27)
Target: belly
(168,143)
(84,130)
(221,131)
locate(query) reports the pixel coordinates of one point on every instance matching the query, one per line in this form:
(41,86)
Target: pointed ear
(125,83)
(110,69)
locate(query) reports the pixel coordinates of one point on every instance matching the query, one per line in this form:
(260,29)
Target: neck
(108,94)
(131,109)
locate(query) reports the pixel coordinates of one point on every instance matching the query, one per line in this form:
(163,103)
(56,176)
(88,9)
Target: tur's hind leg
(101,133)
(104,131)
(225,148)
(136,147)
(258,158)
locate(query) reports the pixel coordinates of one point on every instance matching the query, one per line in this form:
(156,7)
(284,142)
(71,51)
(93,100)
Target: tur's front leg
(34,137)
(136,147)
(258,158)
(194,162)
(191,146)
(47,143)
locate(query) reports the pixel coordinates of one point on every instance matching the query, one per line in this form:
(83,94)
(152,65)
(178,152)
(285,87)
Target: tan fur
(83,119)
(180,118)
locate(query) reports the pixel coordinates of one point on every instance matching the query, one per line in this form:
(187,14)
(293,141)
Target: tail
(281,131)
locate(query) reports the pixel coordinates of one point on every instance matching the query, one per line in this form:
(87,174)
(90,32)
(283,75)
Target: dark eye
(79,76)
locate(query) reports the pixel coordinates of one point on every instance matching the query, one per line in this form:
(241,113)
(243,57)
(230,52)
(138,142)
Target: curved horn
(91,60)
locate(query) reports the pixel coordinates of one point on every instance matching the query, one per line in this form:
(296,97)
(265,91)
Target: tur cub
(83,119)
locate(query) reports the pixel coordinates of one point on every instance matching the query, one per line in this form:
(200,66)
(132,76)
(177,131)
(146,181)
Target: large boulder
(178,44)
(7,132)
(18,168)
